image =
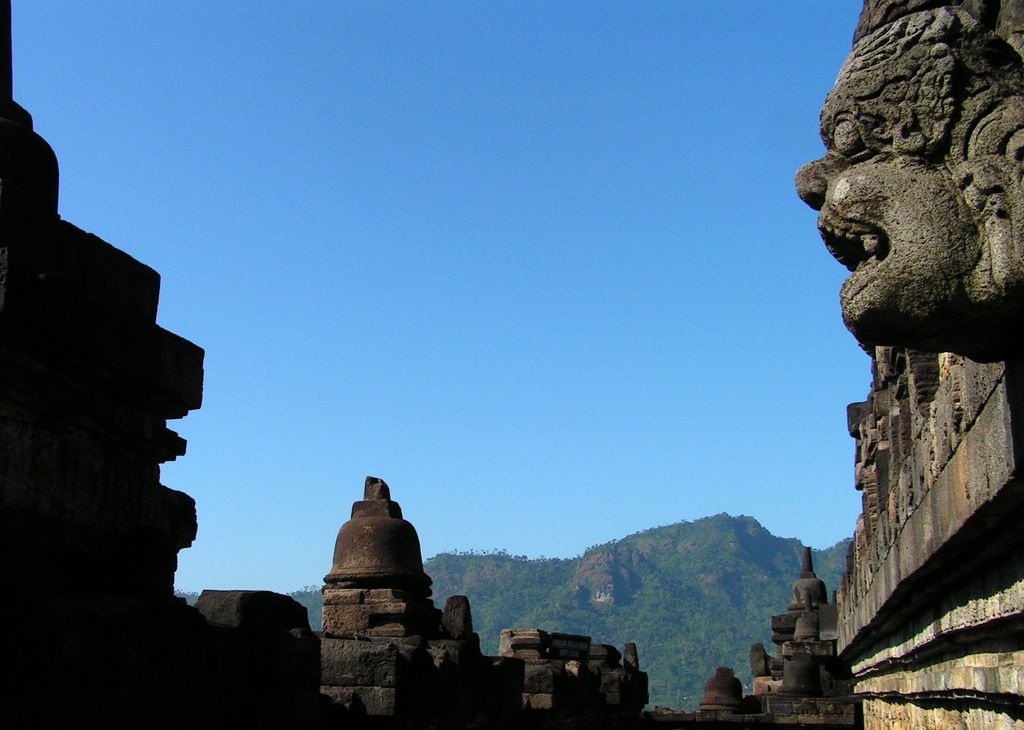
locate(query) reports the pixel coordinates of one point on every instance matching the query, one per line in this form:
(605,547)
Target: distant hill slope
(693,595)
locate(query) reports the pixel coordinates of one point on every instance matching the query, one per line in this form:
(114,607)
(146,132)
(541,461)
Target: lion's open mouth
(853,244)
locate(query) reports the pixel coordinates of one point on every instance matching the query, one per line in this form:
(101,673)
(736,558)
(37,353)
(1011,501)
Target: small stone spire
(807,564)
(9,109)
(6,72)
(376,488)
(28,167)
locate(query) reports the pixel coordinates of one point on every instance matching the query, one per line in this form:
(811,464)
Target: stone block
(457,619)
(827,622)
(538,701)
(336,596)
(766,685)
(809,647)
(252,610)
(371,701)
(389,595)
(450,652)
(612,680)
(783,626)
(345,619)
(379,618)
(760,661)
(539,678)
(526,644)
(363,663)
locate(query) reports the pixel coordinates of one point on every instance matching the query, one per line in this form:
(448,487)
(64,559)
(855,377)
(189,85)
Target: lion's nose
(812,179)
(811,184)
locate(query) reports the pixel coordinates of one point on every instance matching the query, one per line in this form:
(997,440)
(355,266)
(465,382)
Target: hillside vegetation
(692,595)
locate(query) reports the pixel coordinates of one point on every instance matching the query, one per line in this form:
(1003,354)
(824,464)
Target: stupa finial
(6,71)
(9,109)
(28,167)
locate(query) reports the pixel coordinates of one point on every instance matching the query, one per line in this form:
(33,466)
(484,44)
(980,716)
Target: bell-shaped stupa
(377,586)
(722,692)
(808,588)
(376,548)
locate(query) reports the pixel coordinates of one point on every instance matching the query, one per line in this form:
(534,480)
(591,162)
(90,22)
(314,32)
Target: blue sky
(539,265)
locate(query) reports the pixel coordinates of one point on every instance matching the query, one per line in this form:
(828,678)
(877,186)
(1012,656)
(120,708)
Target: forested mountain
(692,595)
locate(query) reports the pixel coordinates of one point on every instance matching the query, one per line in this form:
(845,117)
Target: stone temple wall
(921,196)
(932,604)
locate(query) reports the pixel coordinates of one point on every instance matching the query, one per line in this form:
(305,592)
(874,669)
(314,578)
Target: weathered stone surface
(362,663)
(722,692)
(760,661)
(810,711)
(801,676)
(996,673)
(783,626)
(930,470)
(540,677)
(376,548)
(526,644)
(809,647)
(341,596)
(765,684)
(446,653)
(252,610)
(377,586)
(806,626)
(877,13)
(370,701)
(612,680)
(533,701)
(924,579)
(920,192)
(378,617)
(920,195)
(894,713)
(457,618)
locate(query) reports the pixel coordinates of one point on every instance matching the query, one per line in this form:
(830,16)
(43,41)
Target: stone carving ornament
(920,190)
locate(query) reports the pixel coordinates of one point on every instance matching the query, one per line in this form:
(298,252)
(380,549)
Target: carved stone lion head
(920,190)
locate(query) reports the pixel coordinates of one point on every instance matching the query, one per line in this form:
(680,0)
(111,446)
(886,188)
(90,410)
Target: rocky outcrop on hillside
(610,577)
